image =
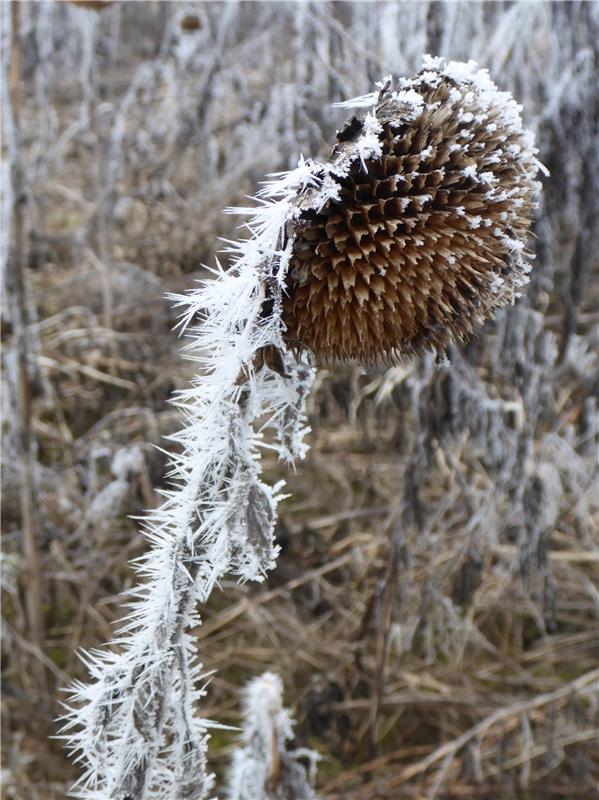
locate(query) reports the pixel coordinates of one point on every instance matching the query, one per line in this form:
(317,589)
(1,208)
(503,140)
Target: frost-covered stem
(148,698)
(206,85)
(17,305)
(144,697)
(95,120)
(265,767)
(135,723)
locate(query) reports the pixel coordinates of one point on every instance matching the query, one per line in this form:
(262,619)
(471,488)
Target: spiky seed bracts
(423,235)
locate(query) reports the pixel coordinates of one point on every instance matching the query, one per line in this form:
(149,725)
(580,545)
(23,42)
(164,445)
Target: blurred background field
(435,610)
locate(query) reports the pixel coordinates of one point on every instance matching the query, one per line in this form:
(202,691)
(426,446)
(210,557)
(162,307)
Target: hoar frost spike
(408,237)
(424,233)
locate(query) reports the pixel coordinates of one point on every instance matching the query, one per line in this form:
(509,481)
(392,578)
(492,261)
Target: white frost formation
(264,768)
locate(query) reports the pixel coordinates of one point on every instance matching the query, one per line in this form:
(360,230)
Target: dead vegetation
(434,612)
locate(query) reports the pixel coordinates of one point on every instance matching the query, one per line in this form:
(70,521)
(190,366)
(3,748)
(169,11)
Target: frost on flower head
(423,233)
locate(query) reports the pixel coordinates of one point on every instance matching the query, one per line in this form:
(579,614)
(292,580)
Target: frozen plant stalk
(264,768)
(411,235)
(134,724)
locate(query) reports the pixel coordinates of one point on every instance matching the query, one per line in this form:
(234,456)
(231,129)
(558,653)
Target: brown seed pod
(92,5)
(190,23)
(423,234)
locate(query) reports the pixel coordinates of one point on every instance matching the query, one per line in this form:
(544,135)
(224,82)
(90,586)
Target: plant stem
(17,286)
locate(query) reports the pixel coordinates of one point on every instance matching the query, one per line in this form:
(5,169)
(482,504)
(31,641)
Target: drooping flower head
(421,233)
(408,237)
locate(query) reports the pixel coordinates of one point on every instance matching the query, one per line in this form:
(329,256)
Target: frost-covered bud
(421,234)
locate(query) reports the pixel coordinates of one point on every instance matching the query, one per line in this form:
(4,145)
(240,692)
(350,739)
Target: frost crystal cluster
(410,235)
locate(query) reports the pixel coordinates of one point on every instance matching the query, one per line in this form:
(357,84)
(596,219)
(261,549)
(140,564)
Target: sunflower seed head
(420,233)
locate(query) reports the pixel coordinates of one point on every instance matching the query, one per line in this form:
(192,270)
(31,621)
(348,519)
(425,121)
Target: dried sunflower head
(420,234)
